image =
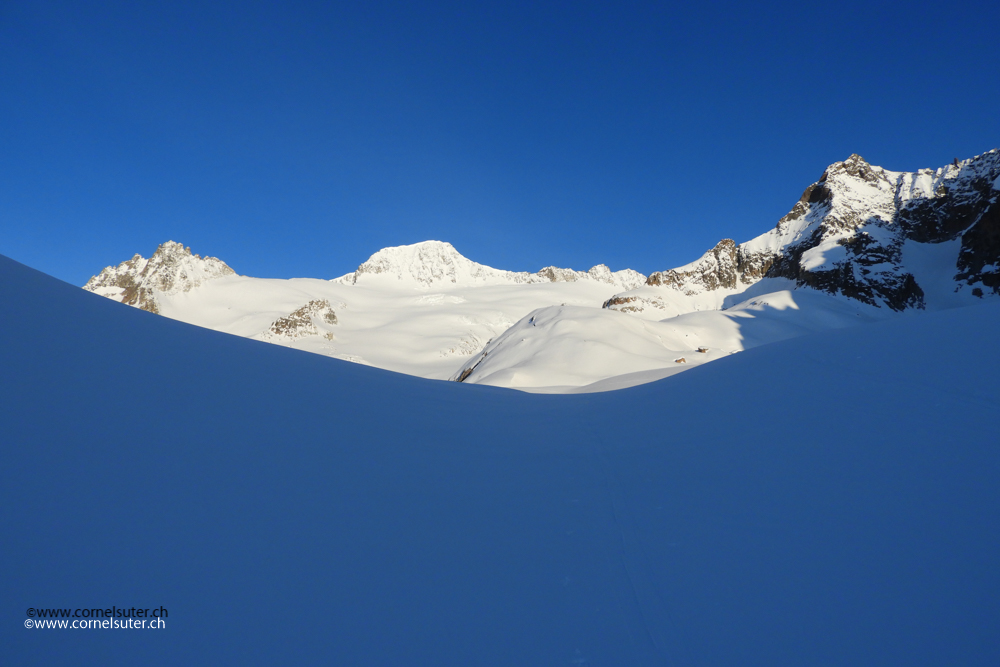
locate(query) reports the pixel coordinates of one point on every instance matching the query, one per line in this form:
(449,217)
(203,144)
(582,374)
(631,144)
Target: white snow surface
(568,349)
(432,264)
(421,309)
(425,310)
(826,500)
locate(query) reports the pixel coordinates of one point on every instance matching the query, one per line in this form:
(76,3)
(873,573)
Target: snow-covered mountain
(862,244)
(435,263)
(878,236)
(421,309)
(827,500)
(171,270)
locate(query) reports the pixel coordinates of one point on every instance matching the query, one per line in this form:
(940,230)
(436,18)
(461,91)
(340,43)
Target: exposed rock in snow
(172,269)
(626,277)
(309,320)
(716,268)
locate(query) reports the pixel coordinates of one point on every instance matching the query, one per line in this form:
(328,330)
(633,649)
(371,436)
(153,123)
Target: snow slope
(568,349)
(826,500)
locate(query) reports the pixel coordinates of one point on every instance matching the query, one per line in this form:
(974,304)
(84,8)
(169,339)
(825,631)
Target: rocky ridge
(171,269)
(846,235)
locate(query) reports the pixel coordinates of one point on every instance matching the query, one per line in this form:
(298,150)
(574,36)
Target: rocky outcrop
(726,266)
(556,275)
(627,278)
(716,269)
(633,303)
(171,269)
(979,258)
(309,320)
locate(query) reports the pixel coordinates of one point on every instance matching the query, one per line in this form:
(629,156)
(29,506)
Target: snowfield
(422,309)
(428,333)
(830,499)
(567,349)
(863,244)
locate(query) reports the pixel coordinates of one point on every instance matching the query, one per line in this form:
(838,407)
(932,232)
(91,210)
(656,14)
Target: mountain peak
(429,263)
(173,249)
(848,231)
(424,264)
(171,269)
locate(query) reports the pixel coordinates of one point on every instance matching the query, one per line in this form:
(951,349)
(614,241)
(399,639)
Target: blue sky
(295,139)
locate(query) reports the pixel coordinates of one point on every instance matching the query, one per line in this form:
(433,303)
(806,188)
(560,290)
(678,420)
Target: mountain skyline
(298,140)
(500,333)
(861,245)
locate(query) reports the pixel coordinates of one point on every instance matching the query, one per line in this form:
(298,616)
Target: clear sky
(295,139)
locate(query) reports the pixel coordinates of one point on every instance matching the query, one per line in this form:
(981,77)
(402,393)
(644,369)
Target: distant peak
(423,249)
(854,166)
(173,246)
(171,269)
(424,263)
(174,250)
(428,263)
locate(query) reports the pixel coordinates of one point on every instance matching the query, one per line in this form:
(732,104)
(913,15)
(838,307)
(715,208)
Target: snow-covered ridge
(431,263)
(848,232)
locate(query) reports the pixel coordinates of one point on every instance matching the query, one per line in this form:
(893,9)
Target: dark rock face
(979,258)
(846,234)
(871,271)
(753,266)
(954,209)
